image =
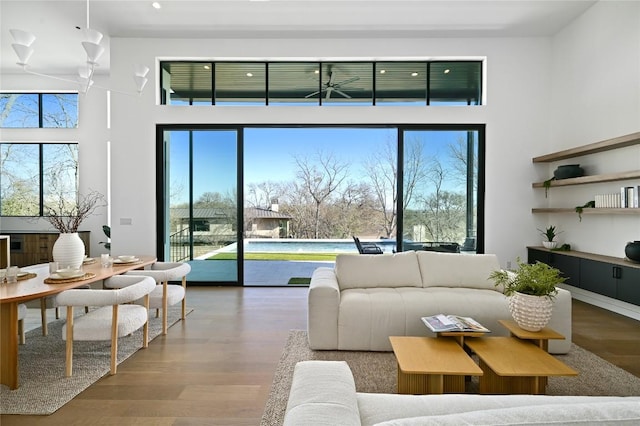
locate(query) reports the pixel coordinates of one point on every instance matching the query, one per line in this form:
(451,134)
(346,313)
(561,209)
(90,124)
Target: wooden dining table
(11,295)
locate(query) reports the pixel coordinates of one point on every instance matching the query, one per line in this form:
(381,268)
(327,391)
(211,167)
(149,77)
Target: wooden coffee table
(539,338)
(514,366)
(429,365)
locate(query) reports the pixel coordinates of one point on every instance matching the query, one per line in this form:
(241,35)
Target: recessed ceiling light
(207,67)
(447,71)
(249,74)
(156,5)
(383,71)
(316,71)
(414,74)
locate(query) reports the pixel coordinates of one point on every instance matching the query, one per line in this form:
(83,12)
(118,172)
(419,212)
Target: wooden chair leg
(43,316)
(21,331)
(69,337)
(145,329)
(114,340)
(165,305)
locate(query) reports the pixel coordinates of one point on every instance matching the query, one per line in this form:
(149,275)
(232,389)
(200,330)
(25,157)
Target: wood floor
(216,368)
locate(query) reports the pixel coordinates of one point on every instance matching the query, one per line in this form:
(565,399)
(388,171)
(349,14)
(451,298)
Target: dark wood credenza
(30,248)
(613,277)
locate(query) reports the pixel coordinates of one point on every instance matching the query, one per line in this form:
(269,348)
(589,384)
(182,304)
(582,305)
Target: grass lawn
(276,256)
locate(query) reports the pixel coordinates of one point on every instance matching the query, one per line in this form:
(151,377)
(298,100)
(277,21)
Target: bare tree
(441,216)
(382,172)
(320,178)
(458,151)
(261,194)
(353,212)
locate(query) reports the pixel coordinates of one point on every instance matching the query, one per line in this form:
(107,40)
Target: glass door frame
(480,201)
(162,205)
(161,179)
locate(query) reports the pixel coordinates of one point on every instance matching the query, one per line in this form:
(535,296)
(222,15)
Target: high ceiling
(57,46)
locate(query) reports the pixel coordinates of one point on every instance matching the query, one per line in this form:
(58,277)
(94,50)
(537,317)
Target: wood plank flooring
(216,368)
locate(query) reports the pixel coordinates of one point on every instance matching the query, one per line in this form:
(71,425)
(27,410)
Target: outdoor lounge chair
(367,248)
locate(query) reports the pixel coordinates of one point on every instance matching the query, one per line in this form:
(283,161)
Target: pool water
(311,246)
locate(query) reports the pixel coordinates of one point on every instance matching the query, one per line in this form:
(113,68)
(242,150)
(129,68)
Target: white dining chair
(116,316)
(165,295)
(48,302)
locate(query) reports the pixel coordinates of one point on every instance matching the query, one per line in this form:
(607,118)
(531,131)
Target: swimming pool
(290,245)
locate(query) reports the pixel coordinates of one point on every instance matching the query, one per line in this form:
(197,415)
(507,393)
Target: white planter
(531,313)
(68,250)
(549,244)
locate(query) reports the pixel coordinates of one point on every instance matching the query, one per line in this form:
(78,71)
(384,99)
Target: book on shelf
(630,196)
(442,323)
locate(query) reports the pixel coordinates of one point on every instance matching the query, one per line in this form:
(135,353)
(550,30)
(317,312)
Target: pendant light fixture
(22,45)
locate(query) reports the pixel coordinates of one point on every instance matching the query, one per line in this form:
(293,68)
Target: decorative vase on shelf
(632,251)
(568,171)
(68,250)
(531,313)
(549,244)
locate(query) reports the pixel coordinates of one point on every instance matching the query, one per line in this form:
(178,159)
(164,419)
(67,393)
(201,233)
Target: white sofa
(324,393)
(366,298)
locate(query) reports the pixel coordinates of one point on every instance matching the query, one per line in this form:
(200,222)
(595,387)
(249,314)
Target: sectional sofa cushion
(378,408)
(586,413)
(321,393)
(382,270)
(457,270)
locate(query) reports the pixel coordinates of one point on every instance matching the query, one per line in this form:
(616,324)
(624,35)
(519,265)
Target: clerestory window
(353,83)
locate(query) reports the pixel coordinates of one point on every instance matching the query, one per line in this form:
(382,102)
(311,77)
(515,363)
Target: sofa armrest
(322,393)
(323,306)
(561,322)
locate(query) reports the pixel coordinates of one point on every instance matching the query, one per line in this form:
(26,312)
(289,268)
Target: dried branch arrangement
(67,216)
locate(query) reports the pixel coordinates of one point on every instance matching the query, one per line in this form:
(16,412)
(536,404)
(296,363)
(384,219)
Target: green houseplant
(531,289)
(549,233)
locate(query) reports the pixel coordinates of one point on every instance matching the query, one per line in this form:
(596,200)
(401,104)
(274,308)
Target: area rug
(377,372)
(43,386)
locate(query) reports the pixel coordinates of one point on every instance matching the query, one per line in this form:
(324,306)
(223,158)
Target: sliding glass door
(201,208)
(267,205)
(442,190)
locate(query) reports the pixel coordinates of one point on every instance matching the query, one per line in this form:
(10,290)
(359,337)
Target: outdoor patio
(256,272)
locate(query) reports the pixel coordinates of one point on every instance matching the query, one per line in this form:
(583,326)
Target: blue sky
(269,153)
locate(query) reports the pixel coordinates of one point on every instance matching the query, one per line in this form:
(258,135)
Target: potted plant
(531,289)
(549,233)
(66,216)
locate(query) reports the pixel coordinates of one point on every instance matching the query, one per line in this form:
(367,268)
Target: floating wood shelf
(602,146)
(587,210)
(610,177)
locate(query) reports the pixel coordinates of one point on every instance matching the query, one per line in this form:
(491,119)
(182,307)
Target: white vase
(549,244)
(68,250)
(531,313)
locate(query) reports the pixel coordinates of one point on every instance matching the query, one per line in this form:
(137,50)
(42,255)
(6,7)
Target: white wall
(516,117)
(595,81)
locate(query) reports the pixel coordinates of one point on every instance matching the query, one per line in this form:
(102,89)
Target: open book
(441,323)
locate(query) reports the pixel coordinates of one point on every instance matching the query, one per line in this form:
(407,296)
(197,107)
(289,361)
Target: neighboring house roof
(255,213)
(208,213)
(200,213)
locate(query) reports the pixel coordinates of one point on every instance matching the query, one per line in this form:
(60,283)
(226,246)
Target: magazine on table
(441,323)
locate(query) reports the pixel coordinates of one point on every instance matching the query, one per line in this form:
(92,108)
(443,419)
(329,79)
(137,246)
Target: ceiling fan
(332,86)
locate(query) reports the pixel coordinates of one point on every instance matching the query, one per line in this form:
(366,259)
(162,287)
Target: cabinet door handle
(617,272)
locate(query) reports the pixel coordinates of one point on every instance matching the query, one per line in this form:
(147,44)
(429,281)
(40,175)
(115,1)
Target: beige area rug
(43,385)
(376,372)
